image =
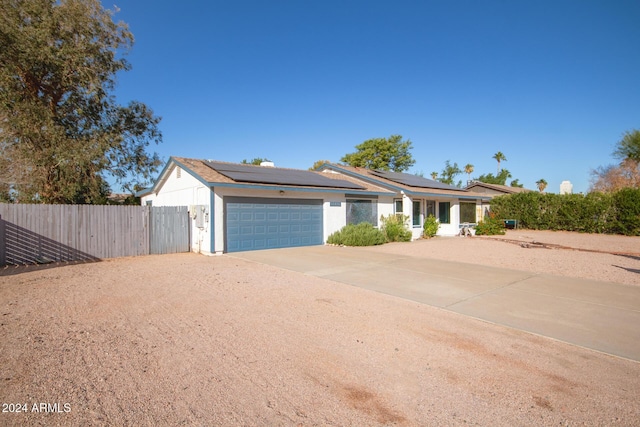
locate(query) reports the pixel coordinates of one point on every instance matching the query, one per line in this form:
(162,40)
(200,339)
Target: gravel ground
(601,257)
(192,340)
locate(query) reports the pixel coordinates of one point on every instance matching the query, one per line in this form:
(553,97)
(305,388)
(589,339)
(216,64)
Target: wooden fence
(37,234)
(169,232)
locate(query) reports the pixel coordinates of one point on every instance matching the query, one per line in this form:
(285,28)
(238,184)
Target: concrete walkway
(598,315)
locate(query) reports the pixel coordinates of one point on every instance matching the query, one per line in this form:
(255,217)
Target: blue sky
(551,84)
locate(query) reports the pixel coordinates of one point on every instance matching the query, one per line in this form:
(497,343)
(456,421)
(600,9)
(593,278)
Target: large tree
(541,184)
(62,133)
(629,146)
(625,175)
(613,178)
(500,179)
(382,153)
(468,169)
(499,157)
(449,173)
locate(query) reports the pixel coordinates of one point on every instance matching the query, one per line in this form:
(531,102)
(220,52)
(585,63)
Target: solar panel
(270,175)
(413,180)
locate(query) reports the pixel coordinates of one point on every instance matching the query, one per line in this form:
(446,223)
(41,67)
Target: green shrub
(394,228)
(627,205)
(363,234)
(617,212)
(431,226)
(490,226)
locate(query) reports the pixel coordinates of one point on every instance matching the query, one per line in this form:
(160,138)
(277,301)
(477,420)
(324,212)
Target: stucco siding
(186,190)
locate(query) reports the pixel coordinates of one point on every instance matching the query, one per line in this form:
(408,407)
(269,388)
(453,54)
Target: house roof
(408,183)
(215,173)
(494,189)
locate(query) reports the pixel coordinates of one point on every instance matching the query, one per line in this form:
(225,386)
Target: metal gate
(170,229)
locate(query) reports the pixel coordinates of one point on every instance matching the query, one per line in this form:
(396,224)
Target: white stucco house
(419,197)
(237,207)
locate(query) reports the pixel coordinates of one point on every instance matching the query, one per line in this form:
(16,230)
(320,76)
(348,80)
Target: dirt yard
(193,340)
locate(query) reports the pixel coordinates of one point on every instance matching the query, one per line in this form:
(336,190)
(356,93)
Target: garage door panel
(275,223)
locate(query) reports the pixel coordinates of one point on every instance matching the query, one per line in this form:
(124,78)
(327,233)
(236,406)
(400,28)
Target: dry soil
(192,340)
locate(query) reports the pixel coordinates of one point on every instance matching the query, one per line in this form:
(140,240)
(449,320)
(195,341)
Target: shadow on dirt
(11,270)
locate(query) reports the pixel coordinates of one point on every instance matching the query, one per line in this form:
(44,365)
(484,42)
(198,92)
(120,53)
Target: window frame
(472,213)
(396,203)
(350,202)
(430,208)
(446,212)
(413,213)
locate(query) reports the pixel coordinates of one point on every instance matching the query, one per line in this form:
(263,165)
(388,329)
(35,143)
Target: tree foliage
(499,157)
(61,131)
(613,178)
(628,148)
(500,179)
(595,212)
(317,164)
(255,161)
(468,169)
(382,153)
(449,173)
(541,184)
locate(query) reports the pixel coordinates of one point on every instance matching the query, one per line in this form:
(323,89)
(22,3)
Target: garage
(266,223)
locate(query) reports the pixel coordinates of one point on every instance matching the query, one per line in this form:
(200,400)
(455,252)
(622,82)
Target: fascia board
(299,189)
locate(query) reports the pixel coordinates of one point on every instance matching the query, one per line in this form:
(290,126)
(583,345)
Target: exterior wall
(451,229)
(334,217)
(385,206)
(187,191)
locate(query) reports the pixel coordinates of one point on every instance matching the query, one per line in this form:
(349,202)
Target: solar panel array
(413,180)
(270,175)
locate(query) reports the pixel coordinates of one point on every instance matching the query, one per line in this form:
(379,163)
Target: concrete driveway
(598,315)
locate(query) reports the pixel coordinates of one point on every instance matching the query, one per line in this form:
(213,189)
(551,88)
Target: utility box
(200,213)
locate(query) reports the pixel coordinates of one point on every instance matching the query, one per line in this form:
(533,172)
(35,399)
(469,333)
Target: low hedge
(363,234)
(393,229)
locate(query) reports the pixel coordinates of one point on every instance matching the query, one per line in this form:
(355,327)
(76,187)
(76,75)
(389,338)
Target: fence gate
(169,231)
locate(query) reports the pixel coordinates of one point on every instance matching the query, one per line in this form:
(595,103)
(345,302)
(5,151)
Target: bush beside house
(363,234)
(430,227)
(393,229)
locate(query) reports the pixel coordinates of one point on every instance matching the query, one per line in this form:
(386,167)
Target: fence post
(3,244)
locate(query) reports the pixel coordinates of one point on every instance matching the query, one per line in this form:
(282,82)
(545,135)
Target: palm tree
(542,184)
(468,169)
(499,158)
(434,175)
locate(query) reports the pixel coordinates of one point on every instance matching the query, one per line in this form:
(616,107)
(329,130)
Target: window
(362,211)
(417,221)
(178,172)
(430,208)
(397,203)
(443,212)
(467,212)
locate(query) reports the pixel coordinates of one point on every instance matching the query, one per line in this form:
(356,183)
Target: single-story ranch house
(238,207)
